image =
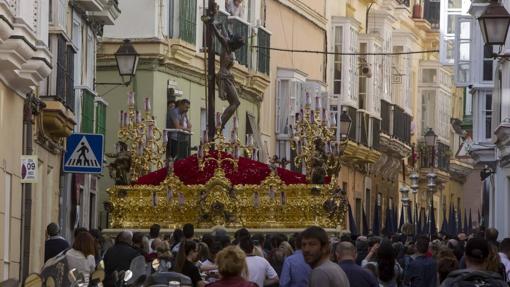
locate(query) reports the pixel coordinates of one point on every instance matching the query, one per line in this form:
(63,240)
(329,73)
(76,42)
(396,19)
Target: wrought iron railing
(240,28)
(385,116)
(376,129)
(187,21)
(264,40)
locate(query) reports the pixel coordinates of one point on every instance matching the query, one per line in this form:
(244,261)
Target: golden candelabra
(313,137)
(143,138)
(222,145)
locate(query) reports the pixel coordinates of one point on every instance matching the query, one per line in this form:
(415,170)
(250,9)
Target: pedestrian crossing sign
(84,153)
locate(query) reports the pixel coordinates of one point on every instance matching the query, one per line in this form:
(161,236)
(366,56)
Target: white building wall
(139,19)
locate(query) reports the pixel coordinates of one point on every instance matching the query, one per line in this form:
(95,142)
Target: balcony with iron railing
(395,132)
(437,157)
(363,138)
(241,28)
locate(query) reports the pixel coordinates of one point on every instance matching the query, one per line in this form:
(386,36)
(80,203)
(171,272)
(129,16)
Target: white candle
(149,132)
(165,137)
(308,99)
(138,117)
(131,98)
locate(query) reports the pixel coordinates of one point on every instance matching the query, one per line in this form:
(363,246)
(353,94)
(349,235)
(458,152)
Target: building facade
(484,79)
(48,51)
(170,43)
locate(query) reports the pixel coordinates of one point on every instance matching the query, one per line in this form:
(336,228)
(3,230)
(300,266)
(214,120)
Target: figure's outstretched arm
(220,36)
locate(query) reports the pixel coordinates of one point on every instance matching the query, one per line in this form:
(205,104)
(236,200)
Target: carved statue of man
(224,78)
(319,160)
(120,166)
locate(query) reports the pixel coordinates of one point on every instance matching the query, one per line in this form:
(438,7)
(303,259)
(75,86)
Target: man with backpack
(475,274)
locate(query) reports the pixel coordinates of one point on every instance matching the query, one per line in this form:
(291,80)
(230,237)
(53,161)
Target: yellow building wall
(11,127)
(290,30)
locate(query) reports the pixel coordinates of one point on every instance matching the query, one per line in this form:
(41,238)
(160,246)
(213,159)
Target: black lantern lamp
(127,61)
(345,124)
(430,138)
(494,23)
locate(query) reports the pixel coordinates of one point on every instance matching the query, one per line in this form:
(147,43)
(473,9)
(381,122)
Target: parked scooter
(162,277)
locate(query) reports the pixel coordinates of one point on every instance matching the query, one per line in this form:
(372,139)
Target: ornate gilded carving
(271,204)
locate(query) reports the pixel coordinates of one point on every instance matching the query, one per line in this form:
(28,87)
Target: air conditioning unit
(365,70)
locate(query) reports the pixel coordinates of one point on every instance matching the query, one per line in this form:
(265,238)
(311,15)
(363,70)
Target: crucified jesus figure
(224,78)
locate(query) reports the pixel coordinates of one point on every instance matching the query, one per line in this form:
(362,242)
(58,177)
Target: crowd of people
(309,258)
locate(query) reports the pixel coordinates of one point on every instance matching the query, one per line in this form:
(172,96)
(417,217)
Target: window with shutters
(69,77)
(61,68)
(463,51)
(337,64)
(428,110)
(100,118)
(485,106)
(187,20)
(240,28)
(264,40)
(487,65)
(385,117)
(65,73)
(87,112)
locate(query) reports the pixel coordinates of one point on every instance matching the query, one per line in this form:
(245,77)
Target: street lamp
(345,124)
(494,23)
(430,138)
(127,62)
(431,188)
(415,178)
(404,190)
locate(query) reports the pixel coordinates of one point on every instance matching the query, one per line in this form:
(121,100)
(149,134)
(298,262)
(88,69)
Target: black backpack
(478,279)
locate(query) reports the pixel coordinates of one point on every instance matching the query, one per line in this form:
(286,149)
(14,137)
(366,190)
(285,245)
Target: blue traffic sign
(84,153)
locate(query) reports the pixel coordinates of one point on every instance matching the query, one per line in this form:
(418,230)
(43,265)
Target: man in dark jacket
(346,254)
(422,271)
(118,258)
(476,255)
(55,243)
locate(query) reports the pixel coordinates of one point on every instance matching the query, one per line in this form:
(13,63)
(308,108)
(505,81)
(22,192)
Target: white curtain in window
(283,99)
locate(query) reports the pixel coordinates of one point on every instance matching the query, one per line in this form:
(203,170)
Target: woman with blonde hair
(231,263)
(286,248)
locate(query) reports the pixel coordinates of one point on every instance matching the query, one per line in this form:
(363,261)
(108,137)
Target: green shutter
(187,20)
(87,112)
(263,54)
(100,118)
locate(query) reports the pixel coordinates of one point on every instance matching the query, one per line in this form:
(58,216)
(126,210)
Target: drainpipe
(26,208)
(32,107)
(366,17)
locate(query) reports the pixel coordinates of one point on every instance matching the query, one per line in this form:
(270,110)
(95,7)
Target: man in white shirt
(260,271)
(504,255)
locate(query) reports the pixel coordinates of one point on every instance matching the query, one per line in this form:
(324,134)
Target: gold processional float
(272,204)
